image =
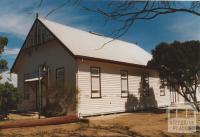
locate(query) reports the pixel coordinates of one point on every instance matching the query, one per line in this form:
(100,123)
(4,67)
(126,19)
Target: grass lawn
(116,125)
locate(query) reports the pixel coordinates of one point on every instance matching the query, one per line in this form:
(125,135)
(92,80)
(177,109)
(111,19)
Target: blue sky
(18,16)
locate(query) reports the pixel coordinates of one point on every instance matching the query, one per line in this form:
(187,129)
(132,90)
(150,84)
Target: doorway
(43,94)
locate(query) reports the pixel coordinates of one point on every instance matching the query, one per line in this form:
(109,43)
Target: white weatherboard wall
(161,100)
(111,100)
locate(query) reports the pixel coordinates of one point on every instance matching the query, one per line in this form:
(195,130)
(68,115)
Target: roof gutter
(114,62)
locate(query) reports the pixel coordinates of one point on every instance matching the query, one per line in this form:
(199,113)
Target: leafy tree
(8,98)
(3,44)
(3,64)
(6,91)
(179,67)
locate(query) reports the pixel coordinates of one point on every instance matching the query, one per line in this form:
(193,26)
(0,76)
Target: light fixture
(44,68)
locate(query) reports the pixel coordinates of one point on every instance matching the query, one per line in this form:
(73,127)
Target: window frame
(121,78)
(57,69)
(162,88)
(91,76)
(148,91)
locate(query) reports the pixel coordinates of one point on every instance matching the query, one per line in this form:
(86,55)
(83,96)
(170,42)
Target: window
(26,87)
(124,83)
(145,84)
(60,74)
(95,82)
(162,88)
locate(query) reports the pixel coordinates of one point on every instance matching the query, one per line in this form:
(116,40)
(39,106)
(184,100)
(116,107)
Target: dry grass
(118,125)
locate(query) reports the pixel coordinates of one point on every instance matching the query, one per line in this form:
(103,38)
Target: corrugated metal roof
(88,44)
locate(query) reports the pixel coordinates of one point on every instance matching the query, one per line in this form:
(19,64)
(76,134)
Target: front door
(43,95)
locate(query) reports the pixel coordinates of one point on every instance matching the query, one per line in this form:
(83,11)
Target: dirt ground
(116,125)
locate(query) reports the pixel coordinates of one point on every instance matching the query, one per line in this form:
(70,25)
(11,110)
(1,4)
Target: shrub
(8,99)
(60,101)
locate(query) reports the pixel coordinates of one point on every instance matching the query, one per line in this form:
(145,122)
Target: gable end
(32,41)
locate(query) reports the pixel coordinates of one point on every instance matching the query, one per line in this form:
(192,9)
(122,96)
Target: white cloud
(11,51)
(187,28)
(68,15)
(16,18)
(15,24)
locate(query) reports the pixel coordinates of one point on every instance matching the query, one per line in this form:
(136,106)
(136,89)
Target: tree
(8,98)
(179,67)
(4,97)
(3,64)
(3,44)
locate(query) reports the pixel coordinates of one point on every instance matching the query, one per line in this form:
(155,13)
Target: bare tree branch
(75,2)
(126,12)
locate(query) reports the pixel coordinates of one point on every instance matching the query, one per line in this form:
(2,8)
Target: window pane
(95,71)
(95,93)
(60,74)
(123,74)
(60,78)
(124,85)
(162,90)
(95,83)
(125,94)
(145,84)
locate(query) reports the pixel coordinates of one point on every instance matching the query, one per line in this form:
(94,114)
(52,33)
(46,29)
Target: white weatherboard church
(109,79)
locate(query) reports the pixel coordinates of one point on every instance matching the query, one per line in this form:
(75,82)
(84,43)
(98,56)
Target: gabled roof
(90,45)
(87,44)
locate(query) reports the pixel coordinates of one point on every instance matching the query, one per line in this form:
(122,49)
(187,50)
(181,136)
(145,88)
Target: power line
(55,9)
(39,5)
(75,2)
